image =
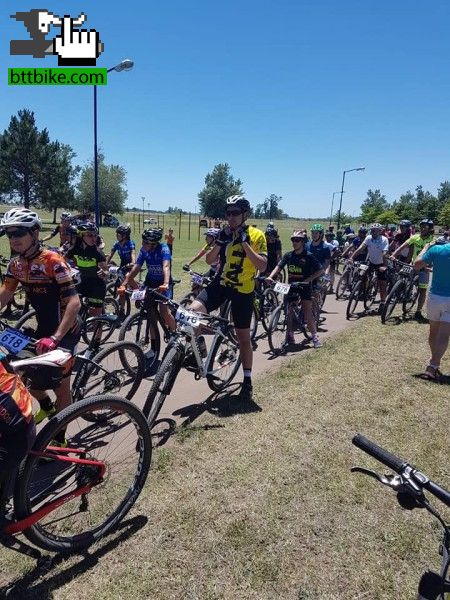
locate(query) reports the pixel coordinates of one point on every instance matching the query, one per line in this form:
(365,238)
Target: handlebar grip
(390,460)
(441,493)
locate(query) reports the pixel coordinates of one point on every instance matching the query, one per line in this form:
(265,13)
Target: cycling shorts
(438,308)
(424,278)
(304,293)
(16,434)
(214,295)
(153,285)
(381,273)
(94,290)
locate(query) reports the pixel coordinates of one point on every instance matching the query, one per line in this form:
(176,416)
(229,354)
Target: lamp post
(125,65)
(332,202)
(342,191)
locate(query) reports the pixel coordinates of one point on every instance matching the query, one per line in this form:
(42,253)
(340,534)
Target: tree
(219,185)
(32,169)
(373,205)
(269,209)
(427,204)
(111,186)
(57,189)
(387,217)
(444,215)
(406,207)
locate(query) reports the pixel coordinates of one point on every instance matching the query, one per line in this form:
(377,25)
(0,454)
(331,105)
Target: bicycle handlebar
(399,465)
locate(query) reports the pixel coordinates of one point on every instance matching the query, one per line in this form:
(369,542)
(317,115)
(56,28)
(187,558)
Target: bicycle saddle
(54,358)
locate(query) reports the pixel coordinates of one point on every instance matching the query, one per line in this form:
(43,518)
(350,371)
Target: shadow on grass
(41,581)
(442,380)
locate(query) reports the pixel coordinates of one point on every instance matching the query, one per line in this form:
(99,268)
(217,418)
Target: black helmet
(270,230)
(362,229)
(239,201)
(123,229)
(71,230)
(152,235)
(428,222)
(405,223)
(87,226)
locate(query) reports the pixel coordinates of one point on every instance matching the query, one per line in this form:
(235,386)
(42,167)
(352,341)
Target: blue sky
(289,93)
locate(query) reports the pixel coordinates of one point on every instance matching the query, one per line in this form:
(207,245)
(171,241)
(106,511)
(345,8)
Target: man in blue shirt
(157,258)
(438,308)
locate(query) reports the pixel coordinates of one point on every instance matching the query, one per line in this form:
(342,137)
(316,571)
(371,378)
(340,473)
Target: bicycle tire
(269,302)
(137,328)
(127,461)
(163,383)
(413,294)
(392,299)
(223,363)
(342,285)
(19,299)
(111,370)
(27,323)
(370,292)
(353,299)
(276,334)
(93,325)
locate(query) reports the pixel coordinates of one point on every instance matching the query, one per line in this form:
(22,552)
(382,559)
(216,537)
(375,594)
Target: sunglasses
(17,233)
(297,239)
(233,213)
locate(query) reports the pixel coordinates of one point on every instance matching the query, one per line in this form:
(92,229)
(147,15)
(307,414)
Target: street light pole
(342,191)
(125,65)
(331,212)
(143,209)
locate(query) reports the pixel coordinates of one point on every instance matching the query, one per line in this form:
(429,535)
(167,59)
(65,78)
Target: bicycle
(186,349)
(116,276)
(410,484)
(364,288)
(19,300)
(278,327)
(65,499)
(345,282)
(198,283)
(405,291)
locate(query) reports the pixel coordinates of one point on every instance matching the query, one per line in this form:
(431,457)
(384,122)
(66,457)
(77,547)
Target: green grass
(262,505)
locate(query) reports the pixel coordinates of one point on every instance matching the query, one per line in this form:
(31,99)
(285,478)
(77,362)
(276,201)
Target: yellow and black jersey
(238,271)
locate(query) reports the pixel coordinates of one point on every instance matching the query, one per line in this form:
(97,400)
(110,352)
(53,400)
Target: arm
(197,256)
(72,309)
(274,273)
(398,250)
(259,260)
(108,260)
(212,255)
(314,276)
(129,277)
(358,251)
(420,263)
(133,258)
(5,296)
(166,272)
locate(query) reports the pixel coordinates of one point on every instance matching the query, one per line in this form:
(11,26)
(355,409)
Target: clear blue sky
(288,92)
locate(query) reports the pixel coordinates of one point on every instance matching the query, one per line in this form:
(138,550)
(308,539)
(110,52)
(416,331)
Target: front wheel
(412,295)
(355,296)
(371,291)
(277,331)
(223,363)
(342,286)
(391,301)
(119,443)
(138,328)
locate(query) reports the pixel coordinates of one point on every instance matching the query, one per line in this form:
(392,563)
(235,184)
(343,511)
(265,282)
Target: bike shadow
(40,583)
(443,379)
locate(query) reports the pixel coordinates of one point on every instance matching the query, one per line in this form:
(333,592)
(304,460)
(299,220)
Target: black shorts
(16,434)
(304,293)
(381,274)
(214,295)
(94,290)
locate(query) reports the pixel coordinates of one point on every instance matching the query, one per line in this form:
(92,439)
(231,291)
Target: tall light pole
(342,191)
(332,202)
(125,65)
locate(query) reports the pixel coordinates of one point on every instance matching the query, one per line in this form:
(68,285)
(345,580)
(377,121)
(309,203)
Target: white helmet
(21,217)
(213,232)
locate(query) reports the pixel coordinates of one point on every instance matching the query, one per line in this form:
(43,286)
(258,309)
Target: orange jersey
(11,384)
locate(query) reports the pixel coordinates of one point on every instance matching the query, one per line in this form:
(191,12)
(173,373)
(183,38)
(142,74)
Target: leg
(307,310)
(167,317)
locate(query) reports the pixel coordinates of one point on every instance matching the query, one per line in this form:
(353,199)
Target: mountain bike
(187,349)
(365,289)
(19,299)
(115,278)
(198,283)
(410,485)
(405,291)
(277,332)
(65,499)
(345,283)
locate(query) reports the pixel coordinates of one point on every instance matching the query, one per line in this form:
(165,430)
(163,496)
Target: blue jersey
(439,257)
(362,256)
(124,251)
(322,252)
(154,262)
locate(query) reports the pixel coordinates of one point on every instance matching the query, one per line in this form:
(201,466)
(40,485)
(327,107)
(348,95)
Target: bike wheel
(391,302)
(19,300)
(137,328)
(269,302)
(118,369)
(111,291)
(353,299)
(276,334)
(27,323)
(343,285)
(187,300)
(412,295)
(110,306)
(163,383)
(120,442)
(223,364)
(98,328)
(370,293)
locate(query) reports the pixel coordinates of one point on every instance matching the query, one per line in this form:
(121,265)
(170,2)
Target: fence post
(179,226)
(189,227)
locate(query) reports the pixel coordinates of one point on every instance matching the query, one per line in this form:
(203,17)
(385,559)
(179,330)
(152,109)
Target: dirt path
(189,397)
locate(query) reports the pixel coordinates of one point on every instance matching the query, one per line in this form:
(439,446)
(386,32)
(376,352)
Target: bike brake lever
(392,481)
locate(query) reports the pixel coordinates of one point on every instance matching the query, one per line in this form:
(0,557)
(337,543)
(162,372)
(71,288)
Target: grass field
(262,505)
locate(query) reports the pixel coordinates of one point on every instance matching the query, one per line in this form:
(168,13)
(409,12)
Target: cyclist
(301,266)
(49,285)
(438,307)
(60,229)
(242,249)
(377,246)
(415,245)
(399,238)
(318,247)
(330,239)
(126,249)
(273,248)
(210,239)
(169,237)
(157,257)
(91,262)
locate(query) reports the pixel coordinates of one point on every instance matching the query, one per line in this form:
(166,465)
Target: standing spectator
(169,237)
(438,307)
(273,248)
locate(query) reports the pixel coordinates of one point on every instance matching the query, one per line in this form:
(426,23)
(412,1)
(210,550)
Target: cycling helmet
(239,201)
(21,217)
(65,216)
(123,229)
(270,230)
(441,240)
(362,230)
(152,235)
(317,227)
(213,232)
(350,236)
(71,230)
(299,234)
(86,227)
(405,223)
(377,226)
(428,222)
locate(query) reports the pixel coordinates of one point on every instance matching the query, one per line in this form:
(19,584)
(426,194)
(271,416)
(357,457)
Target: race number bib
(282,288)
(187,317)
(197,279)
(13,340)
(138,295)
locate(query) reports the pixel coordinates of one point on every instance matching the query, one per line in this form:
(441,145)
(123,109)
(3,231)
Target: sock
(46,404)
(247,373)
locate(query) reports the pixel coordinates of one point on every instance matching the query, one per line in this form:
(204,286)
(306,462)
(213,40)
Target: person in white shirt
(377,247)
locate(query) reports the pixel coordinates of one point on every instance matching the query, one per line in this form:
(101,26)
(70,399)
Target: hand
(75,45)
(163,288)
(101,273)
(186,268)
(46,344)
(242,235)
(222,238)
(121,290)
(270,280)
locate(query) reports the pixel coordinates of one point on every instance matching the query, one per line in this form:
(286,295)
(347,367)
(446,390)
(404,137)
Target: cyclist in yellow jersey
(243,252)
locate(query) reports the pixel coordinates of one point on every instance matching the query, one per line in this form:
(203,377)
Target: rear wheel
(412,295)
(223,364)
(276,334)
(138,329)
(343,285)
(111,291)
(98,328)
(355,296)
(120,443)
